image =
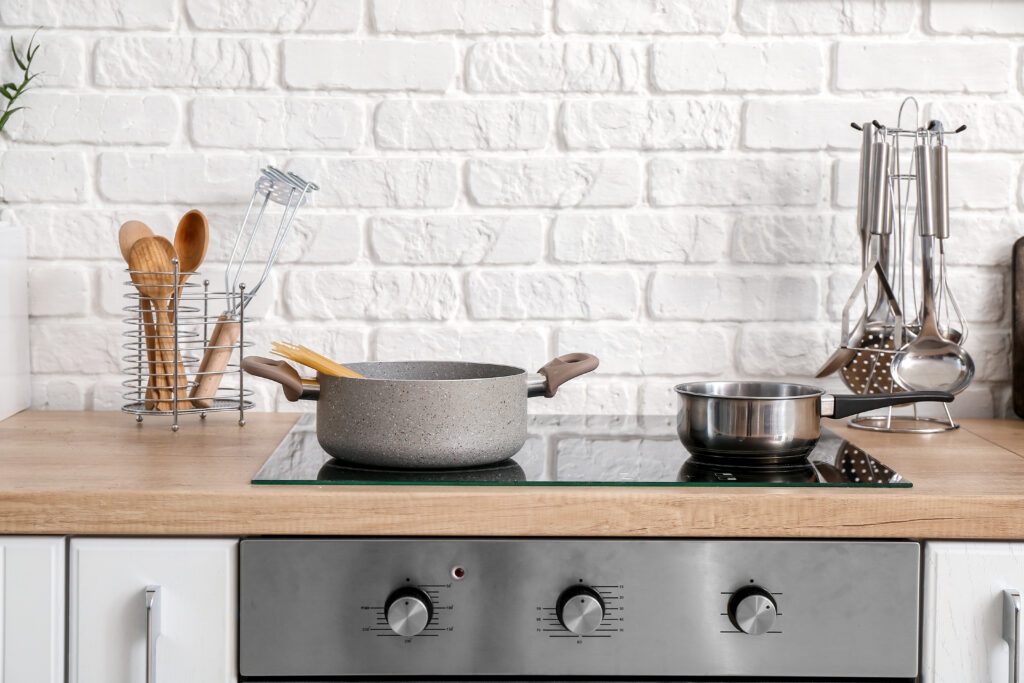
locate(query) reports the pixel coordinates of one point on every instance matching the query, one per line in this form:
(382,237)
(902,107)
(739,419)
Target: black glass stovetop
(591,450)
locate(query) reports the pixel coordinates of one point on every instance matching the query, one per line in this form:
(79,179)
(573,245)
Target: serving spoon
(130,233)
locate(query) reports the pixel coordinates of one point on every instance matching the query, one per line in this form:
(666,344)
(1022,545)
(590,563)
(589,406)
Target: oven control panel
(572,607)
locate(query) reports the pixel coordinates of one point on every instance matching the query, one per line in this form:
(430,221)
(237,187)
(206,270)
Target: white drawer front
(107,637)
(32,609)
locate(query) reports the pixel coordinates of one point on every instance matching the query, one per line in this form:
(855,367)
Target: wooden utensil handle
(215,360)
(175,383)
(155,367)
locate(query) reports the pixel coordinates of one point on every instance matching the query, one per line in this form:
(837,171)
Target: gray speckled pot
(423,414)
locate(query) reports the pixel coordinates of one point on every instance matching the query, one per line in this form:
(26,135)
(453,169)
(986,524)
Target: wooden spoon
(130,233)
(190,241)
(150,259)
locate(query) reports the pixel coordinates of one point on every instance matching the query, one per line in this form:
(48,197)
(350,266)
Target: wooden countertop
(101,473)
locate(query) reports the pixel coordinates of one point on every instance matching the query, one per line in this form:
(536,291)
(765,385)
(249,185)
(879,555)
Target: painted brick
(605,181)
(548,295)
(368,65)
(934,66)
(780,351)
(96,344)
(825,16)
(132,14)
(335,16)
(655,124)
(98,119)
(155,177)
(456,239)
(57,289)
(704,66)
(809,124)
(742,181)
(61,64)
(992,126)
(324,294)
(381,182)
(517,346)
(277,123)
(458,16)
(28,175)
(951,16)
(553,67)
(640,238)
(682,295)
(461,125)
(126,61)
(314,237)
(796,238)
(657,349)
(645,16)
(974,182)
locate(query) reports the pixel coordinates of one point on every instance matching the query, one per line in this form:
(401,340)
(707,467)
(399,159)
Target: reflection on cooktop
(599,450)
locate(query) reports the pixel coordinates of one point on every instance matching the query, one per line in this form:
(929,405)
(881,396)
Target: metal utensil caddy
(896,258)
(196,311)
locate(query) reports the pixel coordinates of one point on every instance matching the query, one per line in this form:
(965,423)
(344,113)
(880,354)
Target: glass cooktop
(591,450)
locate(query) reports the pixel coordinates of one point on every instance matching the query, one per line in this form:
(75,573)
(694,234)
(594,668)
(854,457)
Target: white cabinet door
(963,610)
(196,617)
(32,609)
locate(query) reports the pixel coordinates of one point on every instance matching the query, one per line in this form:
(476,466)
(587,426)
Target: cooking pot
(423,414)
(768,421)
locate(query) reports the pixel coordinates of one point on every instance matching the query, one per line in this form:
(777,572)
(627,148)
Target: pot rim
(690,389)
(501,371)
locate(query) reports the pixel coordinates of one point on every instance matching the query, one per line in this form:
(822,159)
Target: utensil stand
(903,252)
(154,377)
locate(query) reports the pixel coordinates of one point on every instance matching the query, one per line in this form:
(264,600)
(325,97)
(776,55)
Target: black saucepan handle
(844,405)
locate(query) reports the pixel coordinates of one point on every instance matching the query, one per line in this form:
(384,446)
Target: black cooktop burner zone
(593,450)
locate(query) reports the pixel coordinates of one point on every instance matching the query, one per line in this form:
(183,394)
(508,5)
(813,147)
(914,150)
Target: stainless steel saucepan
(423,414)
(768,421)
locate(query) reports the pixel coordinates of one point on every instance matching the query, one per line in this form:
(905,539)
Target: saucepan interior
(433,370)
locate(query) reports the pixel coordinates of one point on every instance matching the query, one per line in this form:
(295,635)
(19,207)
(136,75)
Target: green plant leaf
(14,51)
(7,115)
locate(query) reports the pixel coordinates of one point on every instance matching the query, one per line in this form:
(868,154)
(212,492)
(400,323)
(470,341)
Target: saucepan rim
(498,371)
(699,389)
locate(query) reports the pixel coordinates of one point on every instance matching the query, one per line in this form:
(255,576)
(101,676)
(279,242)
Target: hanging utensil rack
(196,311)
(894,252)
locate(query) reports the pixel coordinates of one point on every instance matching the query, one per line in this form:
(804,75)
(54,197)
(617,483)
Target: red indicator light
(458,572)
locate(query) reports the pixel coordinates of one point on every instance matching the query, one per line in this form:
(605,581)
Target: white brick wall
(667,184)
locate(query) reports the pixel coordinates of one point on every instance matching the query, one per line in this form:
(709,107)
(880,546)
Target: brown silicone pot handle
(282,373)
(564,368)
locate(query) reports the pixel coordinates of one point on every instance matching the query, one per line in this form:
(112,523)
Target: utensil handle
(846,405)
(215,360)
(152,596)
(560,370)
(284,374)
(174,379)
(925,190)
(940,181)
(881,200)
(1011,630)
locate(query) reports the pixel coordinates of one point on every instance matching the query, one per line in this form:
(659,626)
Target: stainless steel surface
(313,607)
(1011,630)
(881,201)
(753,611)
(408,611)
(580,610)
(940,188)
(930,361)
(425,414)
(765,419)
(925,189)
(864,191)
(191,339)
(153,610)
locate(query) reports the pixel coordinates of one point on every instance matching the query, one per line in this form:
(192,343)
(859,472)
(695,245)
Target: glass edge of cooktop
(657,484)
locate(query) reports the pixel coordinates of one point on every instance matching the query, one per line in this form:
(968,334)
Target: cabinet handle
(152,630)
(1011,630)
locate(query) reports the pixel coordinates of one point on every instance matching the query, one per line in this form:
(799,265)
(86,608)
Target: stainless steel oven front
(322,608)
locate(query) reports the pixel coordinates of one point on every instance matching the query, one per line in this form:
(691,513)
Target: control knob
(408,611)
(753,610)
(580,609)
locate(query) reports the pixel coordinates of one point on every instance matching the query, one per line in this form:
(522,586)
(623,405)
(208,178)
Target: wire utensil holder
(156,383)
(902,253)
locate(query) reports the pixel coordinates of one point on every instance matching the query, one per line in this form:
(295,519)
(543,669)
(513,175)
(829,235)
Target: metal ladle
(930,361)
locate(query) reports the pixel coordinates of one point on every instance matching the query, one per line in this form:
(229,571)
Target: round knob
(408,611)
(580,609)
(753,610)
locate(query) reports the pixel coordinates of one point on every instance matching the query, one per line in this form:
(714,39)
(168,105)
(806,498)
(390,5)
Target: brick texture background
(668,184)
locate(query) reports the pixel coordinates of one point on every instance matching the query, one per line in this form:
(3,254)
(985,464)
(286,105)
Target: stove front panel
(477,607)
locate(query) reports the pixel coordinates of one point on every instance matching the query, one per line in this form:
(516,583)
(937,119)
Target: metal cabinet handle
(152,630)
(1011,630)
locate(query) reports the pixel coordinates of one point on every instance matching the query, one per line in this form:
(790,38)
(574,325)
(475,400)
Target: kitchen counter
(102,473)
